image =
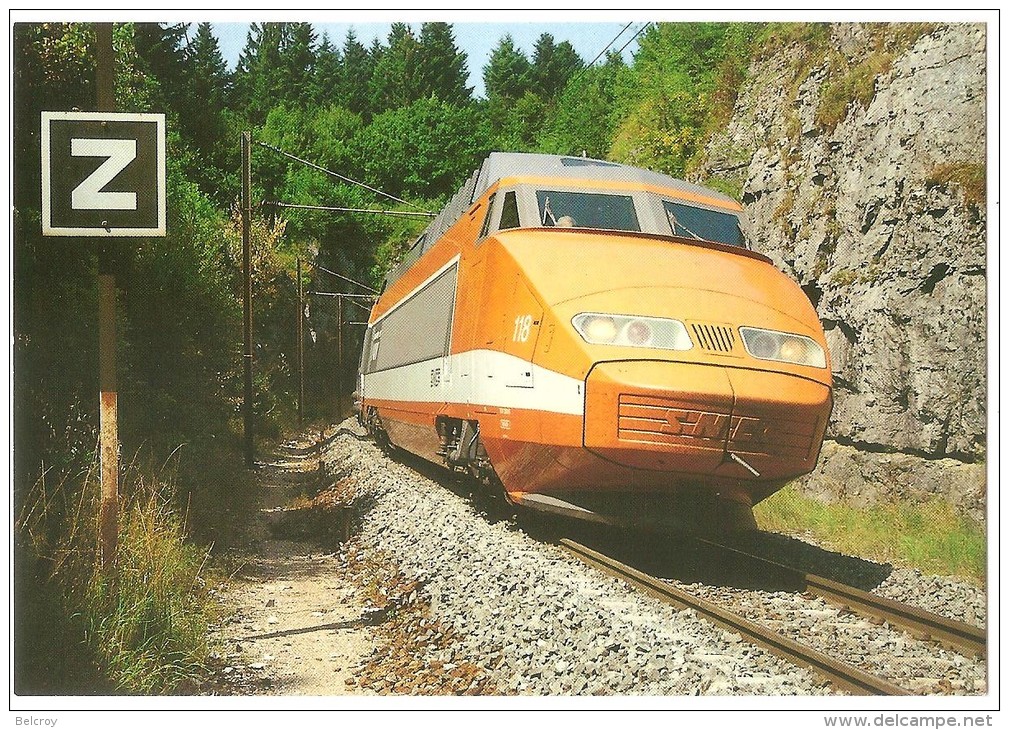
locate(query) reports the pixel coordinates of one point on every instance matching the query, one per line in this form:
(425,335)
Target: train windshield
(586,210)
(706,225)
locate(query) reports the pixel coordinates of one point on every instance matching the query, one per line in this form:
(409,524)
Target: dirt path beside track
(292,617)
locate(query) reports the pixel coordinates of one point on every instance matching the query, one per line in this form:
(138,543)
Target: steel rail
(842,675)
(957,635)
(922,624)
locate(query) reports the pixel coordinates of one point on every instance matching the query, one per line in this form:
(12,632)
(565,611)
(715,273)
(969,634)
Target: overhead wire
(641,30)
(340,294)
(358,304)
(607,47)
(337,175)
(296,206)
(341,276)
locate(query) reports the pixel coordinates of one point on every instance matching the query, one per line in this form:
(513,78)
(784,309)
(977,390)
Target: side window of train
(486,219)
(509,212)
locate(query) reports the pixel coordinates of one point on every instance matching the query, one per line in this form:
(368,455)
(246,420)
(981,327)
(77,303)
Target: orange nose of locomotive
(705,419)
(703,363)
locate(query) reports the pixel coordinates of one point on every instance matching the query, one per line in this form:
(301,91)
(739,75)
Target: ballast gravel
(939,594)
(944,595)
(921,667)
(537,621)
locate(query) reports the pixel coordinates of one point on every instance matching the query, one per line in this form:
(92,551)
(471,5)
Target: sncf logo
(716,426)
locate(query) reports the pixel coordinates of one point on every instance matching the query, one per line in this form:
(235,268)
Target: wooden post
(250,446)
(301,348)
(108,413)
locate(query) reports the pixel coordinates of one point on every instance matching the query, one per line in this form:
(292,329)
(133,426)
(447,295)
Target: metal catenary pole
(250,446)
(108,415)
(301,348)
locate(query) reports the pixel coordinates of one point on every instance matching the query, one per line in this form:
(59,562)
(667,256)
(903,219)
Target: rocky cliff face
(863,177)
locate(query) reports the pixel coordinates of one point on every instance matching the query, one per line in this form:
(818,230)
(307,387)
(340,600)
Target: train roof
(500,165)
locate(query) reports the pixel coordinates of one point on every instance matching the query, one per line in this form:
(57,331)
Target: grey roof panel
(512,164)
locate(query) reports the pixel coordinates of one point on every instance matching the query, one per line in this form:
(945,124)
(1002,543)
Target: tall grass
(138,628)
(928,536)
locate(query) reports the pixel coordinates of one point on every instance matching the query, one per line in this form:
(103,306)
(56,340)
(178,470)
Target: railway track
(847,677)
(924,625)
(764,575)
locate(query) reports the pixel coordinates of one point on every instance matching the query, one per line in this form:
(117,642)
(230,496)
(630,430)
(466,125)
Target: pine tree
(553,65)
(506,75)
(356,74)
(248,54)
(394,82)
(442,69)
(208,69)
(208,131)
(298,57)
(259,76)
(161,54)
(327,79)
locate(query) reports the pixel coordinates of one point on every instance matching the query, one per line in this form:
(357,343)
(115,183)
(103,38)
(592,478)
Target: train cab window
(703,224)
(586,210)
(485,228)
(509,212)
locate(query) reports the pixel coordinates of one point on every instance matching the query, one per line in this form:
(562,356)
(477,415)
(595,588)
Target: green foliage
(298,59)
(507,73)
(442,67)
(681,87)
(142,625)
(808,40)
(553,65)
(358,66)
(412,68)
(733,187)
(179,307)
(517,124)
(584,118)
(928,536)
(424,149)
(327,74)
(394,81)
(525,99)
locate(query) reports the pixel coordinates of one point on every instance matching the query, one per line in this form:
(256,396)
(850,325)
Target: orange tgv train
(598,340)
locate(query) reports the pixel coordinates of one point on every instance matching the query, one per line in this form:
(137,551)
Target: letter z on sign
(103,174)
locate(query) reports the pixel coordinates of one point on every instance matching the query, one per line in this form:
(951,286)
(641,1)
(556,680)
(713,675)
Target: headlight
(782,347)
(619,329)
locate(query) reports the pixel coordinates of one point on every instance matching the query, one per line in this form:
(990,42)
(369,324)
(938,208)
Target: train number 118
(523,324)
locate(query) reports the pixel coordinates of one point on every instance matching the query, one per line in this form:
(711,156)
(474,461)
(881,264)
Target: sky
(476,40)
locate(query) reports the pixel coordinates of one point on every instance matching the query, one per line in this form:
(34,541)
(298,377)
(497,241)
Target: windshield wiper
(673,223)
(548,212)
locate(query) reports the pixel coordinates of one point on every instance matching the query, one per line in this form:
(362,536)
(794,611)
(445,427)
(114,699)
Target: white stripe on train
(484,377)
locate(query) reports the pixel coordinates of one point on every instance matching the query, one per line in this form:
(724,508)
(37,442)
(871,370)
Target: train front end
(699,374)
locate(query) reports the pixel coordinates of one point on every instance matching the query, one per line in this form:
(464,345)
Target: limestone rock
(872,220)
